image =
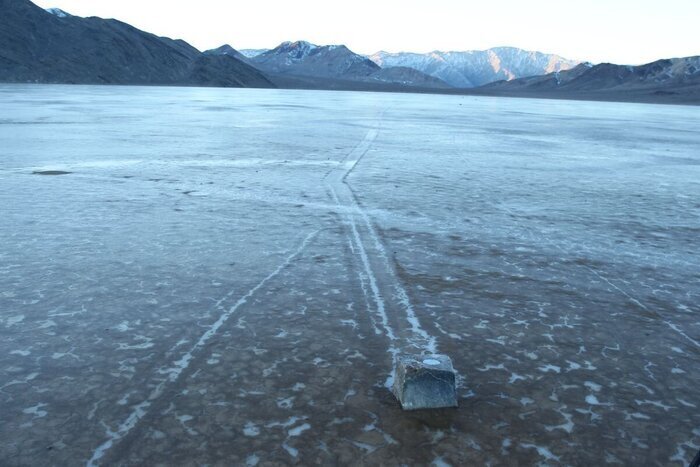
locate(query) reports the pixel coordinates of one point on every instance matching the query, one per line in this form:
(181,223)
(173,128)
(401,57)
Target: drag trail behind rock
(387,298)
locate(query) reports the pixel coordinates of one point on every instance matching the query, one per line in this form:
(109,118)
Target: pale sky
(618,31)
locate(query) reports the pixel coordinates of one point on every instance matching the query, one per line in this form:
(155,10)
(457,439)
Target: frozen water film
(225,277)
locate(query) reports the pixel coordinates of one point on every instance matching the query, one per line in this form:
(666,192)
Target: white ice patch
(439,462)
(125,399)
(296,431)
(290,422)
(542,451)
(349,322)
(26,380)
(183,419)
(36,410)
(637,416)
(593,386)
(290,450)
(593,400)
(214,359)
(12,320)
(251,430)
(514,377)
(146,343)
(489,367)
(349,393)
(286,403)
(505,444)
(567,426)
(548,368)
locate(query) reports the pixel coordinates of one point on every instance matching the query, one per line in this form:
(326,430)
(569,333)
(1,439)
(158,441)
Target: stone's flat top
(429,362)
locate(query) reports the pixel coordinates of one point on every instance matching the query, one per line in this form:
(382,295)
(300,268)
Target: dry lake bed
(223,277)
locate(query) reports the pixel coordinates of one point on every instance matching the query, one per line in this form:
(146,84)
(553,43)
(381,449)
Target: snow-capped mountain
(477,67)
(250,53)
(305,59)
(58,12)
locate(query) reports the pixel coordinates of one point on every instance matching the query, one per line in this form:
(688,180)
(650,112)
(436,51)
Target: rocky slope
(56,47)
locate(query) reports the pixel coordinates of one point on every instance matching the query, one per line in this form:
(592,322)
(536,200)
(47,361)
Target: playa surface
(217,276)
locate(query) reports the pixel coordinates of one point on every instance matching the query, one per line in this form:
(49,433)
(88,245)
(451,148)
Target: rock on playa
(425,382)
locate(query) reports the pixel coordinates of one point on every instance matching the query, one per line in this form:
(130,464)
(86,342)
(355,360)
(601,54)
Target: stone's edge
(399,375)
(451,404)
(408,408)
(446,397)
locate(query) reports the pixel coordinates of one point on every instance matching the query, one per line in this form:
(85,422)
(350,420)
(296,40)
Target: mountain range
(475,68)
(467,69)
(677,78)
(53,46)
(329,63)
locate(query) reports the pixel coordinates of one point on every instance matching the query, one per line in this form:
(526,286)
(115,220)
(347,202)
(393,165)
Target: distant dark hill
(55,47)
(407,76)
(676,78)
(225,71)
(308,82)
(227,50)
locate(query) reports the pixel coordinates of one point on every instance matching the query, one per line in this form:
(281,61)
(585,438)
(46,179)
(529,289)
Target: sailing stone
(425,382)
